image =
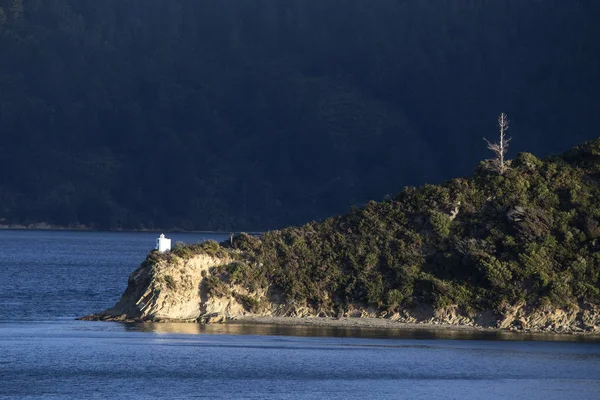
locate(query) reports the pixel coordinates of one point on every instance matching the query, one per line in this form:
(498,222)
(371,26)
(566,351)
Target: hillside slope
(255,115)
(517,251)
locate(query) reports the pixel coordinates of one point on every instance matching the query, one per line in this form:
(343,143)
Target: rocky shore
(176,289)
(349,322)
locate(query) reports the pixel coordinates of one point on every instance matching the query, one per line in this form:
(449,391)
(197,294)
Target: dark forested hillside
(256,114)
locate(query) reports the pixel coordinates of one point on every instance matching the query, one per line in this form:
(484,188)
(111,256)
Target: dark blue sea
(48,278)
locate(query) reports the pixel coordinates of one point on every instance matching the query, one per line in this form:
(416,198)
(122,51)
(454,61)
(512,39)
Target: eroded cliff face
(184,290)
(170,289)
(195,290)
(583,318)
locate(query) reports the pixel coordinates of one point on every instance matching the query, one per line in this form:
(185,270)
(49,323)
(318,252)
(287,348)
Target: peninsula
(517,250)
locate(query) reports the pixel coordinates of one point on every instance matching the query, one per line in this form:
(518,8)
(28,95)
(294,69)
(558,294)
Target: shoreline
(394,325)
(436,330)
(363,323)
(350,322)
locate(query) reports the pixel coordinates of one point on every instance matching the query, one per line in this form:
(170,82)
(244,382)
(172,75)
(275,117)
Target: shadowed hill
(253,115)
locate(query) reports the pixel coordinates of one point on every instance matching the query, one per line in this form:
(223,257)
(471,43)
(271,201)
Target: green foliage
(394,298)
(246,275)
(527,162)
(153,258)
(186,251)
(440,222)
(530,235)
(496,272)
(209,247)
(215,287)
(249,303)
(246,243)
(182,250)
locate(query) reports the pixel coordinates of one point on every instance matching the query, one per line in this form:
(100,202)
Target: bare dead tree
(498,163)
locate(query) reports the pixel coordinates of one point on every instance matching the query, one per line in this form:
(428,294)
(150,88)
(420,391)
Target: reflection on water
(235,328)
(101,360)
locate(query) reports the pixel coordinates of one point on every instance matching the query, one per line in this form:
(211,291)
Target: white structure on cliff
(163,244)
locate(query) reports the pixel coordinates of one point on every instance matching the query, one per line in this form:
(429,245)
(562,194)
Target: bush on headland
(529,236)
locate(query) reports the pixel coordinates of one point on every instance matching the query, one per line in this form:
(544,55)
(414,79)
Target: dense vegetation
(529,236)
(258,114)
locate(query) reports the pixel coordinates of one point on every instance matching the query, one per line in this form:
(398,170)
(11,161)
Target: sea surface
(48,278)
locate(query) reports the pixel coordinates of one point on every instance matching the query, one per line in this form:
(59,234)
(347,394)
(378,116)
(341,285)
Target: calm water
(49,278)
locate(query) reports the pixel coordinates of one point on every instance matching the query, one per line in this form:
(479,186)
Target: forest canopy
(251,115)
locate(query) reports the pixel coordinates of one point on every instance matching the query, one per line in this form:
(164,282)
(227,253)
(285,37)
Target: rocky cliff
(171,289)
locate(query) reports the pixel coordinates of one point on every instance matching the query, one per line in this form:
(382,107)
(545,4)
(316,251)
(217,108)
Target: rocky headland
(515,251)
(179,290)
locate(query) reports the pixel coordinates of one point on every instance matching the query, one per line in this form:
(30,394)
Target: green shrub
(394,298)
(216,287)
(527,161)
(440,223)
(496,272)
(250,304)
(182,250)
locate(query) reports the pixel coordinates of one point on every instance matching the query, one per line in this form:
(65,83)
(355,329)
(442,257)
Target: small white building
(163,244)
